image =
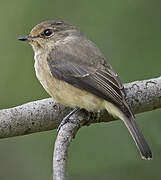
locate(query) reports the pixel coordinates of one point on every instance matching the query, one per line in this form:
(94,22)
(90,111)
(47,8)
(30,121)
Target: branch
(46,114)
(65,136)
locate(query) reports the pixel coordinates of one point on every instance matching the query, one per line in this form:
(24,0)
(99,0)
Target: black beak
(25,38)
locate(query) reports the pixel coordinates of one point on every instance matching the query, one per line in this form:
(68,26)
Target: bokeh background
(128,32)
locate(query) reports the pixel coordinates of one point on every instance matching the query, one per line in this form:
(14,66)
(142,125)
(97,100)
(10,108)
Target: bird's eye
(48,32)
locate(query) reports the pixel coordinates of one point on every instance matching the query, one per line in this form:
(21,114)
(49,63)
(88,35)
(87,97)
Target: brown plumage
(74,72)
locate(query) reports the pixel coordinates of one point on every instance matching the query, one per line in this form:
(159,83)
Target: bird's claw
(67,119)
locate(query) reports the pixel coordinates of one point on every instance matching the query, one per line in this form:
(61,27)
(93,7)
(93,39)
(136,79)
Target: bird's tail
(138,137)
(130,122)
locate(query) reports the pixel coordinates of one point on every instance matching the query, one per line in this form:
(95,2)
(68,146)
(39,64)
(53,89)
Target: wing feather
(97,80)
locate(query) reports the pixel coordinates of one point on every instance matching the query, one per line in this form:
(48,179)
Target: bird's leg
(66,119)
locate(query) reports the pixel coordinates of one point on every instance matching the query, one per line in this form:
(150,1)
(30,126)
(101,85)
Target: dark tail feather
(138,137)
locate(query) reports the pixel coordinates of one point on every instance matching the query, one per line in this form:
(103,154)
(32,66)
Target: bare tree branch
(46,114)
(65,135)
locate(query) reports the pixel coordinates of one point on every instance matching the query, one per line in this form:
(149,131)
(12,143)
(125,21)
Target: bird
(75,73)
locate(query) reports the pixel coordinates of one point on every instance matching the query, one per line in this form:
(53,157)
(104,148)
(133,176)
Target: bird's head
(49,33)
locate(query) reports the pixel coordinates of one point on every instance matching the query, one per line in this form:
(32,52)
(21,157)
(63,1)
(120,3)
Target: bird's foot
(67,119)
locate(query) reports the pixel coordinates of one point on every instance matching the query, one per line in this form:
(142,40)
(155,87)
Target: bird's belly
(73,97)
(65,93)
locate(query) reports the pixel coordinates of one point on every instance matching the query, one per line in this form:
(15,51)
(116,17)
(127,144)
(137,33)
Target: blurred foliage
(128,32)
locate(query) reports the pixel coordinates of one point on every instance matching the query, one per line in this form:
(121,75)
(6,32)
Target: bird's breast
(63,92)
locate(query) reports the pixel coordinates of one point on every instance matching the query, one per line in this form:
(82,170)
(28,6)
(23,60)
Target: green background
(129,33)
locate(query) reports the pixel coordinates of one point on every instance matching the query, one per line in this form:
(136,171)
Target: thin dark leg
(65,120)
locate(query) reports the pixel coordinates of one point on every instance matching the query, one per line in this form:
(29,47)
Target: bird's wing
(101,80)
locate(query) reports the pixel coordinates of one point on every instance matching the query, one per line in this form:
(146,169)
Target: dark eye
(48,32)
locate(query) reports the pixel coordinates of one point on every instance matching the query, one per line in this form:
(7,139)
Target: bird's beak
(25,38)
